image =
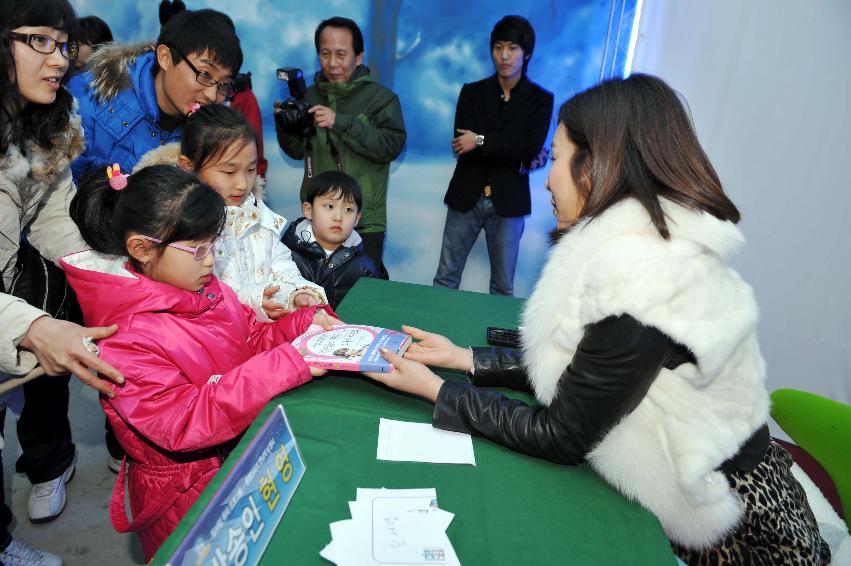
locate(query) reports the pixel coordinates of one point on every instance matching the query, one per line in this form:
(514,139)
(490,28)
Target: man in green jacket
(358,127)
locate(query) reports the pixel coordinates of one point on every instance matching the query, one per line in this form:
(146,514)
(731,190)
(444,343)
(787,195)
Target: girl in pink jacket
(198,367)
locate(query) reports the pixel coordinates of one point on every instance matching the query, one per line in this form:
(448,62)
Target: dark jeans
(112,445)
(44,430)
(373,246)
(460,233)
(5,512)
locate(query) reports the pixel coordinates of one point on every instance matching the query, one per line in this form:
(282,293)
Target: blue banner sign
(237,524)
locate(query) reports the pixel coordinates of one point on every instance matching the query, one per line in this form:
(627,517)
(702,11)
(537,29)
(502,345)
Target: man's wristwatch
(480,140)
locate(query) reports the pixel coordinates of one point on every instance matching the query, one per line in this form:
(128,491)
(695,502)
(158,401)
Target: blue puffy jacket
(118,105)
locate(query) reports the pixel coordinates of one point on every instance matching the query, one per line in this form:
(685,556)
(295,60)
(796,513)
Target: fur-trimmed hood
(666,453)
(34,182)
(45,164)
(110,68)
(169,154)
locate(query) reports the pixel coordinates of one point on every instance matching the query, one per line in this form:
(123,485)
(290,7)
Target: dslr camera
(292,116)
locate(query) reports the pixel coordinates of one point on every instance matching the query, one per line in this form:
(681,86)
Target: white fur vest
(664,454)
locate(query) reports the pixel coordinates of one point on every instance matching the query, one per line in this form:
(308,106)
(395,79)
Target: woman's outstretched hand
(436,350)
(408,377)
(59,347)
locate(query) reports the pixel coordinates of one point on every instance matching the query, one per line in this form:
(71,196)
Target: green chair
(822,427)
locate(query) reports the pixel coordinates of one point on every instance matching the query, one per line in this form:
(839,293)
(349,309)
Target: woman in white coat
(639,342)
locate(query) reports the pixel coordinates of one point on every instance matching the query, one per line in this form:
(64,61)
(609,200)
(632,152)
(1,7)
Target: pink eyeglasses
(198,253)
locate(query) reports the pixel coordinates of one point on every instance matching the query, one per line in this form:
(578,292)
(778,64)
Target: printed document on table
(405,533)
(420,442)
(392,527)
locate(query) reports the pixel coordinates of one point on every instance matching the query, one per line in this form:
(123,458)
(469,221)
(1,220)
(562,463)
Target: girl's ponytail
(93,211)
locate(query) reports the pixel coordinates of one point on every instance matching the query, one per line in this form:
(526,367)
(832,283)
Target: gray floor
(83,534)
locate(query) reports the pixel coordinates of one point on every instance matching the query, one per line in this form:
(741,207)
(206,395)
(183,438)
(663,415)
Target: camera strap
(309,170)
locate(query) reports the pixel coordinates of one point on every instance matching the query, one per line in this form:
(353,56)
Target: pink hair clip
(117,179)
(193,108)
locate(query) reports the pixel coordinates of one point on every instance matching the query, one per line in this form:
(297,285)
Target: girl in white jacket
(219,147)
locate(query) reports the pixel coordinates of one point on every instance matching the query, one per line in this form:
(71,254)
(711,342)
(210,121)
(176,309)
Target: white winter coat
(250,257)
(35,193)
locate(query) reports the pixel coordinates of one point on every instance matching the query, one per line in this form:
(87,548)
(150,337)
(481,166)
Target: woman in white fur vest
(639,342)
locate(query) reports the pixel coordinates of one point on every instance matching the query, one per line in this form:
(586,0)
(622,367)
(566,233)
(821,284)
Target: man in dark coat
(501,124)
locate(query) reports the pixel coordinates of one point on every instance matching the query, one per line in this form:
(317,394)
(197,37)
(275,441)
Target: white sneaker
(47,499)
(19,553)
(114,464)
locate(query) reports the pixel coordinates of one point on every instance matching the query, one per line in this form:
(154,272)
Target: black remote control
(509,337)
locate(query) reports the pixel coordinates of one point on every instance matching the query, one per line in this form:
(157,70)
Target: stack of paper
(392,526)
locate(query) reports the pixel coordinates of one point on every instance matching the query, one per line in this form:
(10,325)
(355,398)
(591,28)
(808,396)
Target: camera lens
(293,114)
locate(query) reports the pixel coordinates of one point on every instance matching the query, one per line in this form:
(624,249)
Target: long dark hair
(635,139)
(210,132)
(161,201)
(36,122)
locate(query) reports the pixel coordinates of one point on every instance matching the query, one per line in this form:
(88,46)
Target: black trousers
(373,246)
(5,512)
(112,445)
(44,430)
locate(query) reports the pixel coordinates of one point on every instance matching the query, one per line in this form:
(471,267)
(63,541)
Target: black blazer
(512,137)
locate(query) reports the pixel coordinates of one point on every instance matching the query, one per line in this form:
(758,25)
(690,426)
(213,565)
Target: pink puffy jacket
(198,369)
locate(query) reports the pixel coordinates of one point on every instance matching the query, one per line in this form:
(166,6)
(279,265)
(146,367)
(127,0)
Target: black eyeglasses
(205,78)
(47,45)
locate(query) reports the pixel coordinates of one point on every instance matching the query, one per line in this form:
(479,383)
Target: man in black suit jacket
(501,124)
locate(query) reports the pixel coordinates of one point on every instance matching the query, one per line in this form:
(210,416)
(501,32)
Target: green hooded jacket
(369,133)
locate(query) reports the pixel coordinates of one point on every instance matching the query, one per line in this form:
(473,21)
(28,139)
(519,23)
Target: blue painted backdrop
(424,51)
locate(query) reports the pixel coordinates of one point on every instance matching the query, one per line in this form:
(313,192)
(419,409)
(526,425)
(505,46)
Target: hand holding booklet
(351,347)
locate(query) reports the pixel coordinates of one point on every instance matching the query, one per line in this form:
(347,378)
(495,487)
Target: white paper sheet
(329,553)
(392,527)
(420,442)
(405,533)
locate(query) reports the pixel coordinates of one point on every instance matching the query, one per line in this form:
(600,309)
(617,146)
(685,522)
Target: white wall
(769,87)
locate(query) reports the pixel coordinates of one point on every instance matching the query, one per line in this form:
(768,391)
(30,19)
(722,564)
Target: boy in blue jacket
(135,97)
(324,244)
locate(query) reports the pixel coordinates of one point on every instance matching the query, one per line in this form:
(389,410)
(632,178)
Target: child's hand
(305,300)
(272,309)
(325,320)
(315,372)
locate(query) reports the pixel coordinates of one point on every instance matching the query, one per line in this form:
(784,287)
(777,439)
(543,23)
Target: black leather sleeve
(499,367)
(614,365)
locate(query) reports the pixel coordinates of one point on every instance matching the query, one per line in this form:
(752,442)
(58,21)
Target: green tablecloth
(509,508)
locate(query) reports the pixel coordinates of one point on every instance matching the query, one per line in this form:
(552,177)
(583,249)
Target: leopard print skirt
(778,526)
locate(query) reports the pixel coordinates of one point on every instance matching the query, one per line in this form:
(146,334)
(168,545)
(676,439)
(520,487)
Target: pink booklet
(351,347)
